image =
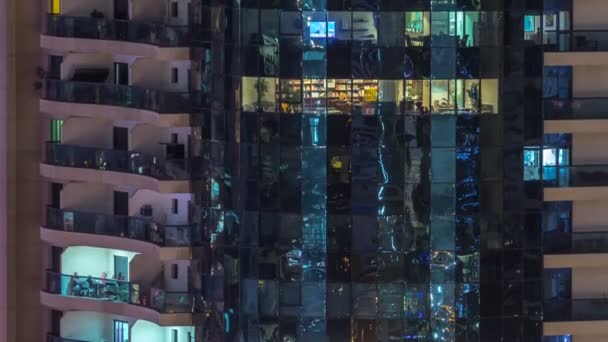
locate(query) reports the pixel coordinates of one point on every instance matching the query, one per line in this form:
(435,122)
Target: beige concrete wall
(590,14)
(97,198)
(588,216)
(590,338)
(89,132)
(84,8)
(74,61)
(590,282)
(90,326)
(590,80)
(589,149)
(22,257)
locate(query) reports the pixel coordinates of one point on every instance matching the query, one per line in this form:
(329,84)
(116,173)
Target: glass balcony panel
(120,161)
(575,243)
(118,95)
(576,109)
(121,292)
(575,310)
(157,34)
(575,176)
(138,228)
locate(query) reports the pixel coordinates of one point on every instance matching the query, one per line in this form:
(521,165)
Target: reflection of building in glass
(369,160)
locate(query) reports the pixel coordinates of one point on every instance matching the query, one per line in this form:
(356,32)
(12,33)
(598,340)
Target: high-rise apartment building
(303,170)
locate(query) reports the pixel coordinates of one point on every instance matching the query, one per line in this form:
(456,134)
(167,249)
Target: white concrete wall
(182,12)
(151,140)
(74,61)
(97,198)
(590,14)
(161,204)
(156,74)
(84,8)
(89,132)
(181,283)
(90,326)
(144,331)
(590,80)
(91,261)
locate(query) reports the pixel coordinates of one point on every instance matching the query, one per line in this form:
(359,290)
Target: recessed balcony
(127,37)
(115,167)
(576,115)
(575,243)
(85,293)
(575,182)
(584,47)
(137,234)
(575,310)
(116,102)
(138,228)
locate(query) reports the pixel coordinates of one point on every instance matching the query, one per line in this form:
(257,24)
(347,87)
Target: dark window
(174,271)
(174,9)
(174,206)
(174,75)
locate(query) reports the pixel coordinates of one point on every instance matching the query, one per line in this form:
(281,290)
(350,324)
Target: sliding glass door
(121,331)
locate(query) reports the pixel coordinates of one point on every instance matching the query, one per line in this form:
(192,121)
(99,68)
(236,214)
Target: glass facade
(363,176)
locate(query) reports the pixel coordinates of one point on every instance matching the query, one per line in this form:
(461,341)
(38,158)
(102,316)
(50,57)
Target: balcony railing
(137,228)
(575,243)
(575,176)
(120,161)
(118,95)
(51,338)
(122,292)
(576,41)
(576,109)
(157,34)
(563,310)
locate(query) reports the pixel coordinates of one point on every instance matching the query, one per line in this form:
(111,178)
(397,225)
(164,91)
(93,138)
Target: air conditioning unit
(146,210)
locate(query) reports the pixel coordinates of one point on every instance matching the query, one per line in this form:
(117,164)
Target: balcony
(577,48)
(120,168)
(576,115)
(115,160)
(575,182)
(576,109)
(575,243)
(578,41)
(575,310)
(91,34)
(575,176)
(85,293)
(117,102)
(136,228)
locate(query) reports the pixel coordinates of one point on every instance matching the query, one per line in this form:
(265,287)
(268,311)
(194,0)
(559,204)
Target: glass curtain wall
(363,169)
